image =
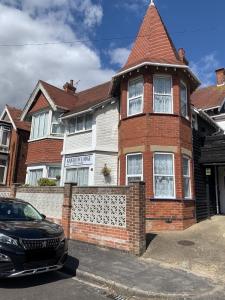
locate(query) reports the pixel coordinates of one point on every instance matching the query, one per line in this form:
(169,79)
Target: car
(29,244)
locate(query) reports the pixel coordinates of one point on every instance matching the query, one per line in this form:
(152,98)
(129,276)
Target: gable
(5,117)
(40,103)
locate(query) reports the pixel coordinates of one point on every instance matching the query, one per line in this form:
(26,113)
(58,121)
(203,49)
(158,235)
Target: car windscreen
(13,211)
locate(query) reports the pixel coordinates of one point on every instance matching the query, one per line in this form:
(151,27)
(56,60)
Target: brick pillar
(66,208)
(136,204)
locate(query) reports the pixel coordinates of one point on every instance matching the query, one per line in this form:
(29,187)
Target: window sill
(171,199)
(79,132)
(49,137)
(134,116)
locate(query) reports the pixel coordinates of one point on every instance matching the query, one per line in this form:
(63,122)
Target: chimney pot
(220,76)
(69,87)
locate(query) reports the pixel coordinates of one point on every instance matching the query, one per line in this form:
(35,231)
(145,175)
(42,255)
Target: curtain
(162,95)
(135,106)
(163,172)
(88,122)
(134,164)
(80,123)
(186,177)
(34,176)
(53,172)
(78,175)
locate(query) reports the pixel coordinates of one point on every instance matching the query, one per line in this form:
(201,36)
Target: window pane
(163,164)
(34,176)
(162,85)
(5,138)
(53,172)
(187,189)
(71,175)
(163,104)
(183,91)
(58,129)
(2,174)
(80,123)
(83,174)
(185,166)
(135,106)
(133,178)
(134,164)
(135,88)
(39,125)
(88,122)
(72,125)
(164,186)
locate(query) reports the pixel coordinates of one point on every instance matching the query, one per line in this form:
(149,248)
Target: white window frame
(155,76)
(187,111)
(142,96)
(187,176)
(5,172)
(78,167)
(174,175)
(49,112)
(2,130)
(55,123)
(75,122)
(134,175)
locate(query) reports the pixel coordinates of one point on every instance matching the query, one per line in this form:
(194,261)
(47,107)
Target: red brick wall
(149,129)
(13,148)
(39,103)
(44,151)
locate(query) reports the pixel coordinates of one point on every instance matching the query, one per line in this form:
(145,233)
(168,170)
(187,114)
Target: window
(183,98)
(57,126)
(80,123)
(54,172)
(78,175)
(186,177)
(163,94)
(164,186)
(3,168)
(34,176)
(134,167)
(4,136)
(135,96)
(40,125)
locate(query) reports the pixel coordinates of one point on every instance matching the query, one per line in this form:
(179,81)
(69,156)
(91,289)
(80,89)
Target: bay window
(57,127)
(4,136)
(80,123)
(40,124)
(135,96)
(3,169)
(34,175)
(163,100)
(78,175)
(164,182)
(187,177)
(183,100)
(134,167)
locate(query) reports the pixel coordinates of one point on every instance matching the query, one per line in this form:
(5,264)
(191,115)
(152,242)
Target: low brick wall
(47,200)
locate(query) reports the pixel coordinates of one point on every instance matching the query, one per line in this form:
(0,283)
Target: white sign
(78,161)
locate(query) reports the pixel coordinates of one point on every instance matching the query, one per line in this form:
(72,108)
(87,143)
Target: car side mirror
(43,216)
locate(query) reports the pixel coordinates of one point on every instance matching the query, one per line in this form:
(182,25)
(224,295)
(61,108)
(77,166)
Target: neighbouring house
(14,135)
(74,136)
(211,101)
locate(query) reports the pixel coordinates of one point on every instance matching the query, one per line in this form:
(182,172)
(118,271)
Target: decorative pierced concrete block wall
(5,194)
(49,204)
(99,209)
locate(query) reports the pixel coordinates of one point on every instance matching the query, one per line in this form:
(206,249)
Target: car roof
(12,200)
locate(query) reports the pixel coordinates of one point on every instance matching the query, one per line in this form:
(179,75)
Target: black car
(29,244)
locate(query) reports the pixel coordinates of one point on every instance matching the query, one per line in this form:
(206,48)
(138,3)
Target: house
(73,135)
(210,100)
(14,135)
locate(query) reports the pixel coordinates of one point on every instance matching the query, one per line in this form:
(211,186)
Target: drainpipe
(216,190)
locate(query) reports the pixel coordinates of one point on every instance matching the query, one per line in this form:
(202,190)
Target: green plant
(46,182)
(26,185)
(106,171)
(58,177)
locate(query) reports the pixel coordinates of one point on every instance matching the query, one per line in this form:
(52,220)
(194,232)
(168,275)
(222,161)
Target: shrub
(46,182)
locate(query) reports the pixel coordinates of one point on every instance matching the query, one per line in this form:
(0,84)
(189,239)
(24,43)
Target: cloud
(119,56)
(44,21)
(205,68)
(133,5)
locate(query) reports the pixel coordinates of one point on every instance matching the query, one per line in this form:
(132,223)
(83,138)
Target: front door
(221,178)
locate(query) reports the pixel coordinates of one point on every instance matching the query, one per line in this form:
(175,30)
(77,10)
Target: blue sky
(107,29)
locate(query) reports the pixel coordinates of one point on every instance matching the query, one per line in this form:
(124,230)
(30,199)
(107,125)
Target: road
(52,286)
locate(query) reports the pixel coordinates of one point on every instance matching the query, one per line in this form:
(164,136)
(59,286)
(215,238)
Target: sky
(89,40)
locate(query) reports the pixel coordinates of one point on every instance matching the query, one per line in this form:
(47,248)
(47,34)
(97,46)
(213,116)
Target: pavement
(131,276)
(199,249)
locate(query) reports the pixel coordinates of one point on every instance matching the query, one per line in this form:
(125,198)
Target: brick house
(14,135)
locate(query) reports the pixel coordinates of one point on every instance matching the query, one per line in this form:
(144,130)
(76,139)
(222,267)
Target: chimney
(181,54)
(69,87)
(220,76)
